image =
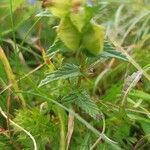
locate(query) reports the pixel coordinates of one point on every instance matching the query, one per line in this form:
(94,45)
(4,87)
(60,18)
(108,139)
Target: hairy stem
(61,115)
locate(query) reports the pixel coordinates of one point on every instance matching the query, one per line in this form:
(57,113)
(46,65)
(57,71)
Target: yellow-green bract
(78,19)
(75,28)
(93,38)
(69,34)
(60,8)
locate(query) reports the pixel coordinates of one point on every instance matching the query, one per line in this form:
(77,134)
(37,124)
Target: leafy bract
(78,19)
(93,38)
(60,8)
(78,14)
(69,34)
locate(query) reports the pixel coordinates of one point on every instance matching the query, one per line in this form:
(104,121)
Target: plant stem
(21,128)
(131,60)
(61,115)
(10,75)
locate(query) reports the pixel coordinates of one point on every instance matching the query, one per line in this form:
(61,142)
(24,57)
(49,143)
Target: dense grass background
(106,108)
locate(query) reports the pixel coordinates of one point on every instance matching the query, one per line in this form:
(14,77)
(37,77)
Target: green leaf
(110,51)
(5,143)
(67,71)
(140,94)
(122,132)
(85,145)
(20,16)
(138,118)
(114,54)
(83,100)
(112,92)
(69,34)
(93,38)
(57,46)
(5,6)
(145,123)
(146,128)
(82,16)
